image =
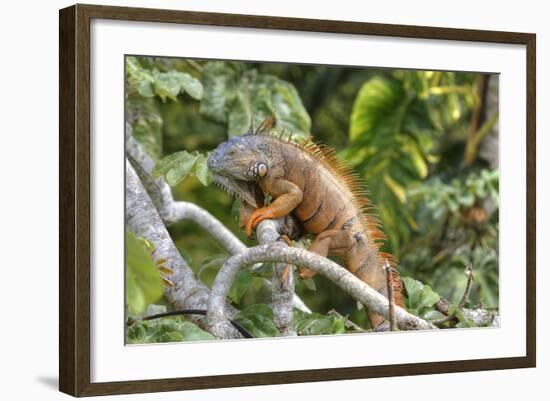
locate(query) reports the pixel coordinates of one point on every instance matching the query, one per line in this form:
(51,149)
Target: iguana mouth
(247,191)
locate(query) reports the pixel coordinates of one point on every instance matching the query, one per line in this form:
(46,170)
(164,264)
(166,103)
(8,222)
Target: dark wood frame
(74,199)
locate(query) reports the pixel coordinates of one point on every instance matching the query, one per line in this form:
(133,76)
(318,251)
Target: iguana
(326,197)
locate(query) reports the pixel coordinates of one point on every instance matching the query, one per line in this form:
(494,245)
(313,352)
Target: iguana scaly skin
(326,197)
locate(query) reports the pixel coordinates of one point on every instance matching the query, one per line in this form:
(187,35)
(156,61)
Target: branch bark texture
(280,253)
(172,211)
(282,285)
(143,219)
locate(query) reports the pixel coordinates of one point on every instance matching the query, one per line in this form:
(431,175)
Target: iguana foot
(257,217)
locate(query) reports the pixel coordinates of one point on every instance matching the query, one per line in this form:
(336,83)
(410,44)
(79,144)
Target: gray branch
(143,220)
(172,211)
(280,253)
(479,317)
(282,288)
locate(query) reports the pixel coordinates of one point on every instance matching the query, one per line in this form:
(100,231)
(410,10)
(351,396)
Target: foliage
(179,165)
(143,280)
(317,324)
(412,136)
(258,320)
(397,128)
(168,329)
(238,96)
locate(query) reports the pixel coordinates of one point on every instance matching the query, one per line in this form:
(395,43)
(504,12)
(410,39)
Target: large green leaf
(377,111)
(177,166)
(420,297)
(220,80)
(237,96)
(143,281)
(389,127)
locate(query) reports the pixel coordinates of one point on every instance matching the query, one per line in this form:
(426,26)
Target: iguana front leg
(286,197)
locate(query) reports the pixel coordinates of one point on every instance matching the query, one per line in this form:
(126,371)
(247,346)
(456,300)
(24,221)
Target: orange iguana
(307,181)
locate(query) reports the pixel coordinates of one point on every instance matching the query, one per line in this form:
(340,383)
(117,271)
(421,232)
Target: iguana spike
(266,125)
(251,126)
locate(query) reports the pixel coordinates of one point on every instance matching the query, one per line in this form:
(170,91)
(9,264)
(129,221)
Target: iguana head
(238,164)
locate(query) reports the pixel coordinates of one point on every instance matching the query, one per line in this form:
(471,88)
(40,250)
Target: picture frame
(76,199)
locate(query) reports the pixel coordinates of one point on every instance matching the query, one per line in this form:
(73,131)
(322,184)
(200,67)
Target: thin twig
(391,298)
(468,271)
(469,277)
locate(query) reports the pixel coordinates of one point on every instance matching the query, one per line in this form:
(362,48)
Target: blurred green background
(425,142)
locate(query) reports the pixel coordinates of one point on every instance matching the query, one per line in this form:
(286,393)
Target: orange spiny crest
(355,187)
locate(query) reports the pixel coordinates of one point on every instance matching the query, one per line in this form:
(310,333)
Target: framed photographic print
(251,200)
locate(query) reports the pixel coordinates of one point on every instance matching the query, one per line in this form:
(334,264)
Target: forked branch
(280,253)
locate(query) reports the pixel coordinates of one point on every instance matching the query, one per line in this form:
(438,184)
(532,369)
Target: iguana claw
(256,218)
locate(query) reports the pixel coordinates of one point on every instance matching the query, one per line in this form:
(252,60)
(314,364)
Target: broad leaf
(419,296)
(239,97)
(240,286)
(144,283)
(258,320)
(177,166)
(317,324)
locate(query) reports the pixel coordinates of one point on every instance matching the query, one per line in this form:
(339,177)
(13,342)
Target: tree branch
(172,211)
(391,298)
(280,253)
(478,316)
(282,288)
(143,220)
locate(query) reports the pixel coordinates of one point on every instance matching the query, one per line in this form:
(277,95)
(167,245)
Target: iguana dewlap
(307,180)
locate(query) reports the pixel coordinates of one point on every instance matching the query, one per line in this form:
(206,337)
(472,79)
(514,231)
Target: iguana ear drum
(261,169)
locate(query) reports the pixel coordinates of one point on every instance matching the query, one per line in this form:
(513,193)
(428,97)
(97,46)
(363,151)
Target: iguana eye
(261,169)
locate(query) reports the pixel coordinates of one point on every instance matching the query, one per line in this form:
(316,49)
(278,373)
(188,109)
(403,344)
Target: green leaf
(175,167)
(258,320)
(166,330)
(376,101)
(166,85)
(209,268)
(240,286)
(145,89)
(192,332)
(220,80)
(282,100)
(146,124)
(144,283)
(240,115)
(463,321)
(317,324)
(189,85)
(237,96)
(419,296)
(202,172)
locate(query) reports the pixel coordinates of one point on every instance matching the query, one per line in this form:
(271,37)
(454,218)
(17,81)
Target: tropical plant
(413,137)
